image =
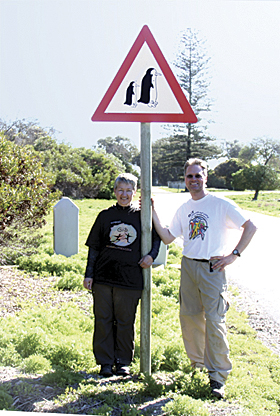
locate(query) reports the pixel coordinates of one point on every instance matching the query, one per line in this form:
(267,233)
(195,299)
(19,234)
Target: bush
(79,172)
(185,405)
(9,356)
(29,342)
(54,265)
(62,377)
(25,199)
(70,281)
(35,364)
(52,333)
(6,400)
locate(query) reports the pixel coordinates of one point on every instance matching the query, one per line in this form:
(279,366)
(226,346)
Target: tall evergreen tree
(169,156)
(193,73)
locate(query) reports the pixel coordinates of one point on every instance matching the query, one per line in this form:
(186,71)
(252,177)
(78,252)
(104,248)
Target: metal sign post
(146,244)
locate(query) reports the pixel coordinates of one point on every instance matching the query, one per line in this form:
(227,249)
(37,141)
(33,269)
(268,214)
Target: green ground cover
(39,339)
(268,203)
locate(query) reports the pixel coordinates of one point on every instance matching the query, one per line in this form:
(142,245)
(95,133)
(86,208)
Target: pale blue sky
(58,57)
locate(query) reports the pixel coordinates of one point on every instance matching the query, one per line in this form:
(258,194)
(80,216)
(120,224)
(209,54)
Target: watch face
(236,252)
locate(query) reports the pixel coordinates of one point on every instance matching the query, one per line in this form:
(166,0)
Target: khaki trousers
(203,306)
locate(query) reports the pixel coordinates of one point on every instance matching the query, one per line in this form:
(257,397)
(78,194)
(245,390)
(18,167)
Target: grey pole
(146,244)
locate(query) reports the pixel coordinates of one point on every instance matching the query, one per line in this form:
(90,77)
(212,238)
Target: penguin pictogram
(149,91)
(131,96)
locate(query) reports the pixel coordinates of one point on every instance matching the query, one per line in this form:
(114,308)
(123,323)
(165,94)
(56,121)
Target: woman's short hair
(126,178)
(196,161)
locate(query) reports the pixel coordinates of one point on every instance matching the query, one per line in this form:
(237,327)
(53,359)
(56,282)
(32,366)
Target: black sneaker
(106,370)
(122,370)
(217,389)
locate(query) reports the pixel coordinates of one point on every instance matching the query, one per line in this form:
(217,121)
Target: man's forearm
(249,230)
(163,232)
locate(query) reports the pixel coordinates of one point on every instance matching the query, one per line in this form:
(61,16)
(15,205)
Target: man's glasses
(197,176)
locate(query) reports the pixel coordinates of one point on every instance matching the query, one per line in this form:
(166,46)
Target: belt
(205,261)
(202,260)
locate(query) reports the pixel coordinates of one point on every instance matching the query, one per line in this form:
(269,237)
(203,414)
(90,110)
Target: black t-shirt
(116,235)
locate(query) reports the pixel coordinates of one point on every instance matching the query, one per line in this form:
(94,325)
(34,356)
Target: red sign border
(187,116)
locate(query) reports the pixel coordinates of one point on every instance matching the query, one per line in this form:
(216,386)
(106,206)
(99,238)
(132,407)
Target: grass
(173,190)
(268,203)
(40,339)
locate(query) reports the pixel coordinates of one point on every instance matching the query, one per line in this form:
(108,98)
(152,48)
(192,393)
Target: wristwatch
(236,252)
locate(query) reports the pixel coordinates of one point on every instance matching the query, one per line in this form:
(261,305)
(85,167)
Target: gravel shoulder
(268,330)
(16,288)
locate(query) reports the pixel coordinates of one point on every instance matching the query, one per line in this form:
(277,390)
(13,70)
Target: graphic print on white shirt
(198,225)
(123,235)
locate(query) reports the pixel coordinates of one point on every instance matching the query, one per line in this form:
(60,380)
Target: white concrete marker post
(66,227)
(146,244)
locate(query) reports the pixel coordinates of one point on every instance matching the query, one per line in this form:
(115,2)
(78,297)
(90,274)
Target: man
(204,221)
(114,273)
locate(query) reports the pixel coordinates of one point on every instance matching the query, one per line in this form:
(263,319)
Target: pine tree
(193,74)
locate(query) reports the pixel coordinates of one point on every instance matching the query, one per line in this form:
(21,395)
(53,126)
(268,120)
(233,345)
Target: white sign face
(144,89)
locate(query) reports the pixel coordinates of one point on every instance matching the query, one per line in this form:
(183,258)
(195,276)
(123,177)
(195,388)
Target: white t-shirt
(205,224)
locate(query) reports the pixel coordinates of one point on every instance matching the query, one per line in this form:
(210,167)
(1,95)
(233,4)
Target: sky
(58,58)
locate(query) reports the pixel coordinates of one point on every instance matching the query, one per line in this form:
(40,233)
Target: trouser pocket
(223,305)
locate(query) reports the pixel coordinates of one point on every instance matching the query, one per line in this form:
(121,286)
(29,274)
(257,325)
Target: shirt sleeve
(92,257)
(176,225)
(155,244)
(95,235)
(235,216)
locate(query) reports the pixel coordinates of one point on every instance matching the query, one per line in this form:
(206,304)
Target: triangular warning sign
(145,88)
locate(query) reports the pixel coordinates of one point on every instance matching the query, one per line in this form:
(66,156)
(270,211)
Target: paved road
(258,269)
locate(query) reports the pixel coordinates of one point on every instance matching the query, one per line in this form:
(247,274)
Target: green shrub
(70,281)
(174,254)
(157,356)
(55,265)
(6,400)
(29,342)
(168,281)
(175,357)
(104,410)
(25,199)
(61,377)
(192,383)
(157,385)
(185,405)
(66,355)
(35,364)
(8,354)
(60,335)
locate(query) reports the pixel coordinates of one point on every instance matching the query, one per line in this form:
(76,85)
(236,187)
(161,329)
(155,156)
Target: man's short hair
(198,162)
(127,178)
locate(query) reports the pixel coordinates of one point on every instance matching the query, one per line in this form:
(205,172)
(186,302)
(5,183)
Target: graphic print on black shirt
(198,225)
(122,235)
